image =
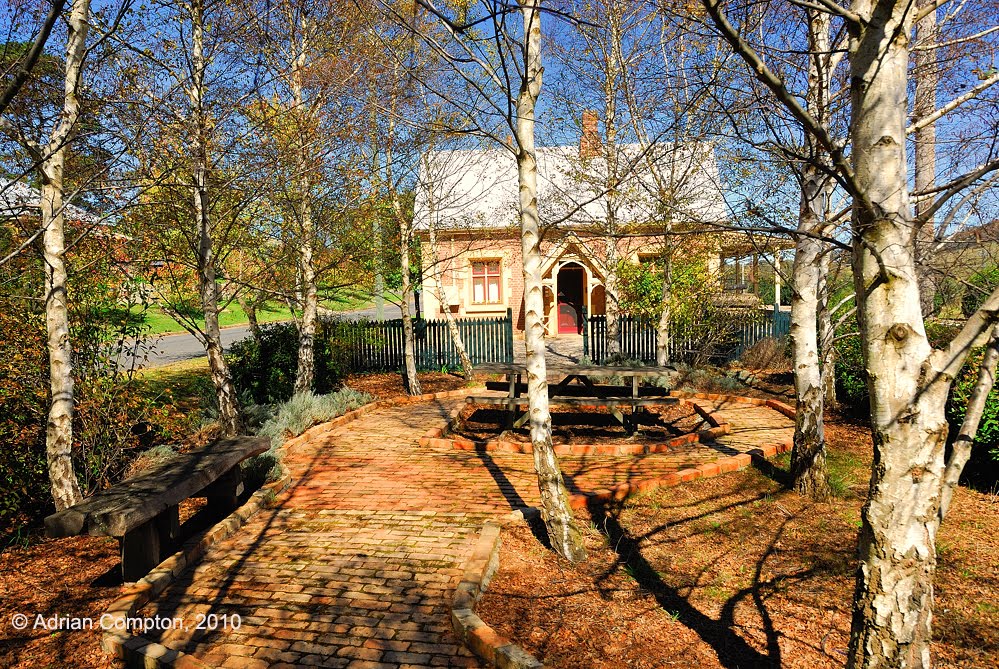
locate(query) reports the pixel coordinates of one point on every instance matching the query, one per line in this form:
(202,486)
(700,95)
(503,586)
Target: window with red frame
(486,278)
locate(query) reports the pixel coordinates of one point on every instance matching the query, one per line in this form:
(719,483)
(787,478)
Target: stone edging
(492,648)
(136,651)
(438,437)
(707,470)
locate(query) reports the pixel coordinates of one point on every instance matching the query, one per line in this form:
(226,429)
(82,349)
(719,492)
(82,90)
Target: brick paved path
(356,565)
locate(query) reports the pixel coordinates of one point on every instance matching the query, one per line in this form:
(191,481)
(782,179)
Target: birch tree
(49,158)
(908,380)
(503,74)
(187,140)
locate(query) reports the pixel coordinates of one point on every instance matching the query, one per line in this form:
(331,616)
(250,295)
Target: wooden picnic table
(579,386)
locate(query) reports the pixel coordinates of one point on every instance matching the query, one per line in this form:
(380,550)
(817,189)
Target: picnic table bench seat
(609,402)
(584,391)
(141,511)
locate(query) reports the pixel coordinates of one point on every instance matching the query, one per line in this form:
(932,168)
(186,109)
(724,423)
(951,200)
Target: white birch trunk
(305,373)
(961,448)
(664,329)
(924,160)
(827,334)
(892,611)
(565,537)
(230,416)
(437,272)
(59,425)
(612,74)
(808,455)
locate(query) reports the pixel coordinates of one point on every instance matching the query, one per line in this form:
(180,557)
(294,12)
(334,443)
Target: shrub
(851,377)
(297,415)
(767,353)
(851,385)
(264,369)
(980,285)
(108,414)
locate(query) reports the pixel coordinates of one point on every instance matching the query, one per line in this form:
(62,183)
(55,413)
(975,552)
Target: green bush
(983,466)
(111,423)
(980,285)
(294,417)
(265,369)
(851,387)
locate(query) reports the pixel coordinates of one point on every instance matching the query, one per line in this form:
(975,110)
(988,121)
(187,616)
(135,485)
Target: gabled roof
(19,199)
(477,188)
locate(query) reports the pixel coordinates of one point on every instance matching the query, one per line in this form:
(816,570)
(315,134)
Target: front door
(568,319)
(571,287)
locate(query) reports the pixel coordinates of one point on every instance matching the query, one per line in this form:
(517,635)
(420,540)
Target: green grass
(185,381)
(159,322)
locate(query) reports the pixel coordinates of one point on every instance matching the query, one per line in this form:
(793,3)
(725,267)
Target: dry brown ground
(736,572)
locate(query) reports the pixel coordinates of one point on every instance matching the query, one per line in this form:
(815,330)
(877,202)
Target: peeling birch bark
(59,424)
(565,537)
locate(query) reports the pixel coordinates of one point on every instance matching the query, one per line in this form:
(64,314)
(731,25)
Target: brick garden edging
(136,651)
(495,649)
(438,437)
(492,648)
(721,466)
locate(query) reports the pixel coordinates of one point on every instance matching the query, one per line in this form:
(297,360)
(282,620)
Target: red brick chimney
(589,141)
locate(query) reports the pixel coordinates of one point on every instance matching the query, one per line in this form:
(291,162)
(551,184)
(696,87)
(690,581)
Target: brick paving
(356,564)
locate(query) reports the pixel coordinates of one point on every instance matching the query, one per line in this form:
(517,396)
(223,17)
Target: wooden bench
(582,390)
(614,404)
(141,512)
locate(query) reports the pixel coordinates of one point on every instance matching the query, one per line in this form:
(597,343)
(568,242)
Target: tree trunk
(412,381)
(892,609)
(409,344)
(306,371)
(305,374)
(808,456)
(827,334)
(611,88)
(249,307)
(961,448)
(565,537)
(664,330)
(927,78)
(230,416)
(59,425)
(452,324)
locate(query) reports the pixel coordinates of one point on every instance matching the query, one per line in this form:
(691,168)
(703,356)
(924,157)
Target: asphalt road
(166,349)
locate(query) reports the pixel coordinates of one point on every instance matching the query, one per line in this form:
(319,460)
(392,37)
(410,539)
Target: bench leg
(140,552)
(523,419)
(223,495)
(149,544)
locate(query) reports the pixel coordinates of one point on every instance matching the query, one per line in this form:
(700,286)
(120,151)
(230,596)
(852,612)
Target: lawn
(159,322)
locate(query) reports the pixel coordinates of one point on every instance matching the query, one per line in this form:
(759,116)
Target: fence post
(586,329)
(509,334)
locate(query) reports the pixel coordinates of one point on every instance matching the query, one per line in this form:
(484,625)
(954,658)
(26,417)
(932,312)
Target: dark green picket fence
(719,342)
(377,346)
